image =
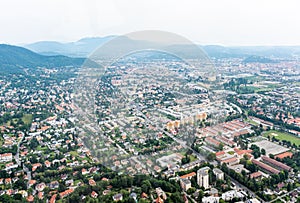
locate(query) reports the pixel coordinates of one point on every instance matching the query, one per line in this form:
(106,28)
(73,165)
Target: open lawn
(255,78)
(251,122)
(283,136)
(74,153)
(27,119)
(192,158)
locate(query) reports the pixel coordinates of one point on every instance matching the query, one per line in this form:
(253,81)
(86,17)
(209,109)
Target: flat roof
(270,147)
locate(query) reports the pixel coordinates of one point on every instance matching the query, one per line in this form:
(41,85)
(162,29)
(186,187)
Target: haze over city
(150,101)
(230,22)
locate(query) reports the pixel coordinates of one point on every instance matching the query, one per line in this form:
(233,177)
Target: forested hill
(14,58)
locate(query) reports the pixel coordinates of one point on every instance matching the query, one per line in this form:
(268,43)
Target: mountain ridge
(85,46)
(12,58)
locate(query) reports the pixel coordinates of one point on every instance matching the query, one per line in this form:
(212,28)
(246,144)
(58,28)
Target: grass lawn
(27,118)
(74,153)
(264,89)
(283,136)
(252,122)
(192,158)
(39,148)
(259,89)
(1,141)
(255,78)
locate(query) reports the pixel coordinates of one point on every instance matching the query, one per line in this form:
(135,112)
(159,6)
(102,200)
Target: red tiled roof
(220,153)
(226,161)
(188,175)
(159,200)
(53,198)
(212,141)
(66,193)
(40,195)
(284,155)
(240,152)
(276,163)
(255,174)
(265,166)
(144,195)
(30,198)
(94,194)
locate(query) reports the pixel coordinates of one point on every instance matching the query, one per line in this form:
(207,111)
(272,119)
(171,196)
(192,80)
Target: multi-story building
(185,184)
(218,173)
(203,177)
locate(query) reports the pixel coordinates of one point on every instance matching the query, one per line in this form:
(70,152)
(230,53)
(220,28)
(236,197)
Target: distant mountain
(14,58)
(86,46)
(248,51)
(223,52)
(80,48)
(258,59)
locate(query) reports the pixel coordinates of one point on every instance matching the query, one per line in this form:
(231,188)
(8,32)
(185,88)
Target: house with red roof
(40,195)
(220,154)
(35,166)
(6,157)
(94,194)
(84,171)
(230,161)
(7,181)
(47,163)
(92,182)
(284,155)
(53,198)
(30,198)
(256,175)
(31,182)
(66,193)
(188,176)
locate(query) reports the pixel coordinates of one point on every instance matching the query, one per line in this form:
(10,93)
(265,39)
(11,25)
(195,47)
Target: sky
(222,22)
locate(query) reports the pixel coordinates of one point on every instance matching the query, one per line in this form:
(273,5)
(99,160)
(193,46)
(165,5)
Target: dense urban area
(155,131)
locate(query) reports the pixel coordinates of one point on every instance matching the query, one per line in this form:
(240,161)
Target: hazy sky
(224,22)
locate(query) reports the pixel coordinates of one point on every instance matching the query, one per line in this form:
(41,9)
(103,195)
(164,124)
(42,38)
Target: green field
(255,78)
(248,120)
(283,136)
(27,119)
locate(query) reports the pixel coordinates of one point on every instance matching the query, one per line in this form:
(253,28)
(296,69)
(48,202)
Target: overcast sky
(223,22)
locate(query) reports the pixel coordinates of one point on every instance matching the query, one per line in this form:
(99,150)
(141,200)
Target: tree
(177,197)
(220,147)
(211,156)
(200,196)
(263,151)
(289,187)
(61,187)
(34,143)
(191,190)
(222,201)
(18,196)
(21,184)
(146,186)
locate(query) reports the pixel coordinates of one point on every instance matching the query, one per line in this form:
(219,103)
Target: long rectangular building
(266,167)
(276,164)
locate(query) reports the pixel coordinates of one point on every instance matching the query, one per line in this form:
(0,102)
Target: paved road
(194,201)
(280,197)
(251,193)
(182,143)
(17,158)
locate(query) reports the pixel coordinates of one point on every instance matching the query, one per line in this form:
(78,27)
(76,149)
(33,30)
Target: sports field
(283,136)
